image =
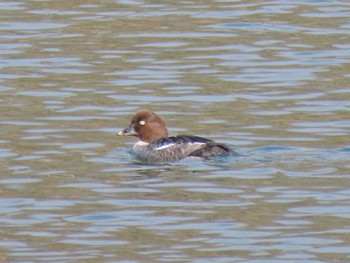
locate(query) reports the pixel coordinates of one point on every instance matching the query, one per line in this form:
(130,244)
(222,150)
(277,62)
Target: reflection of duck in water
(156,147)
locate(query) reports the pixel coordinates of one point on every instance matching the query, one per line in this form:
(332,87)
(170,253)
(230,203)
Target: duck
(156,146)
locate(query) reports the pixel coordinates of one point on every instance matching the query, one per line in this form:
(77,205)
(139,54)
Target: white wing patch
(173,144)
(164,147)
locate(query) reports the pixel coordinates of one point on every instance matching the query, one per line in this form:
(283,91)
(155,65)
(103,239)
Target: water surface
(269,78)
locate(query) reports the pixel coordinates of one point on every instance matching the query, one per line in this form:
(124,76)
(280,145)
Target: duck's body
(156,147)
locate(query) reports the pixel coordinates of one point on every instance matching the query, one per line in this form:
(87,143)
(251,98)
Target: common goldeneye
(156,147)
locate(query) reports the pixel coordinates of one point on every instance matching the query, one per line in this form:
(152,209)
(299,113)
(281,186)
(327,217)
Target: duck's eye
(142,123)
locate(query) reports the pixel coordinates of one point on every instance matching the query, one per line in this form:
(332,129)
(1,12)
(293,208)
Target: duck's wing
(173,148)
(214,149)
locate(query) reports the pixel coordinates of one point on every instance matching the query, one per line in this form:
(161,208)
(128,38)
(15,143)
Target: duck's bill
(127,132)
